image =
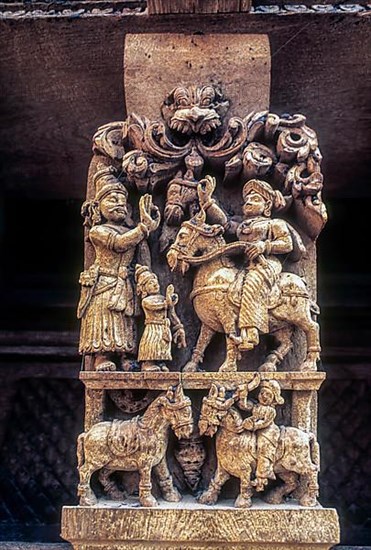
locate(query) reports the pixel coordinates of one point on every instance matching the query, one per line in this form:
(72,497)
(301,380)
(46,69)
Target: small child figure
(160,317)
(262,421)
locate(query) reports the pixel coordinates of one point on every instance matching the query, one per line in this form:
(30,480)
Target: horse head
(194,239)
(177,408)
(214,409)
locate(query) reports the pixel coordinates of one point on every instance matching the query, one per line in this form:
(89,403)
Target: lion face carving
(194,109)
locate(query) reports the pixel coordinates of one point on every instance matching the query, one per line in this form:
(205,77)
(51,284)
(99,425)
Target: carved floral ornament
(195,136)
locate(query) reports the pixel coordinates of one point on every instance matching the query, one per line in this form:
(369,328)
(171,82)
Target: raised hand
(171,296)
(205,189)
(149,213)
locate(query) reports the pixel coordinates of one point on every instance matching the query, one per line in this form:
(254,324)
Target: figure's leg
(244,498)
(109,485)
(204,339)
(103,363)
(284,339)
(169,492)
(311,329)
(291,483)
(310,480)
(232,355)
(145,487)
(85,492)
(149,366)
(211,495)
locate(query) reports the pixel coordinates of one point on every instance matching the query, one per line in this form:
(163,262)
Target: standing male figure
(108,305)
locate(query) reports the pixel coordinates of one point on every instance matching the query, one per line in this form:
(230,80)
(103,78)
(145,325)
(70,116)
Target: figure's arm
(215,213)
(258,423)
(281,241)
(179,336)
(149,221)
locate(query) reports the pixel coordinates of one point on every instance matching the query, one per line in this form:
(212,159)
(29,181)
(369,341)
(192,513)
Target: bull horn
(179,392)
(170,394)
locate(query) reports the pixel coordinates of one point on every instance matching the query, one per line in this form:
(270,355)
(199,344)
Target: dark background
(61,77)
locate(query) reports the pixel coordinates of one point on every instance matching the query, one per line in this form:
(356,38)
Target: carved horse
(296,461)
(135,445)
(216,299)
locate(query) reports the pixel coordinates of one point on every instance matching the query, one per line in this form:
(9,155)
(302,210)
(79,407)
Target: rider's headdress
(261,187)
(275,388)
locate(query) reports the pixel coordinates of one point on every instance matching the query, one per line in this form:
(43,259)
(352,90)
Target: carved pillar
(198,308)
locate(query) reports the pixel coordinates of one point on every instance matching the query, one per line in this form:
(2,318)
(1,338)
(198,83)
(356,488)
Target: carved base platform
(190,526)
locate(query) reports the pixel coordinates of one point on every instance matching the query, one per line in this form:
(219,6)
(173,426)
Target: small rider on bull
(262,422)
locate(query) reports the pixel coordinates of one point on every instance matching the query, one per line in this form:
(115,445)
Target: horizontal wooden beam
(197,6)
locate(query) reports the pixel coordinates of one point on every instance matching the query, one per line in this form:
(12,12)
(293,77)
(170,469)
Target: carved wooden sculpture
(257,445)
(223,214)
(137,444)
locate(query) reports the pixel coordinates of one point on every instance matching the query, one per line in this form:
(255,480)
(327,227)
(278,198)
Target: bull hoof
(191,366)
(273,497)
(173,495)
(308,366)
(106,366)
(267,367)
(90,500)
(208,498)
(116,495)
(243,502)
(148,501)
(228,367)
(308,501)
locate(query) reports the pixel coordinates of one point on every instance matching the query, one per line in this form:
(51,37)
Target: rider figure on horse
(262,422)
(267,238)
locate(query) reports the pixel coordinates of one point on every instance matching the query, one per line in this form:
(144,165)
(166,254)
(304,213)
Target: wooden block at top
(197,6)
(154,64)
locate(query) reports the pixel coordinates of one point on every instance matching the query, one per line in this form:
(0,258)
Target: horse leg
(310,480)
(284,338)
(232,355)
(311,329)
(244,498)
(85,492)
(109,485)
(211,495)
(169,492)
(203,340)
(145,487)
(291,482)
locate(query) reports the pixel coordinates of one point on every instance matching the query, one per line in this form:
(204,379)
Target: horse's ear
(213,391)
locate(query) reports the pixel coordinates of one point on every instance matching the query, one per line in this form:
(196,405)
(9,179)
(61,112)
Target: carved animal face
(178,410)
(180,195)
(194,238)
(194,109)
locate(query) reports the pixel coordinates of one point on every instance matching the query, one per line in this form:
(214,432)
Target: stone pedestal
(189,525)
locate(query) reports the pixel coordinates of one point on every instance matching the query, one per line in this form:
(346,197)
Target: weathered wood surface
(190,523)
(198,6)
(59,85)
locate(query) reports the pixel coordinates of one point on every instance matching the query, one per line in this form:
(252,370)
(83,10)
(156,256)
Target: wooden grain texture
(59,84)
(182,57)
(190,523)
(156,7)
